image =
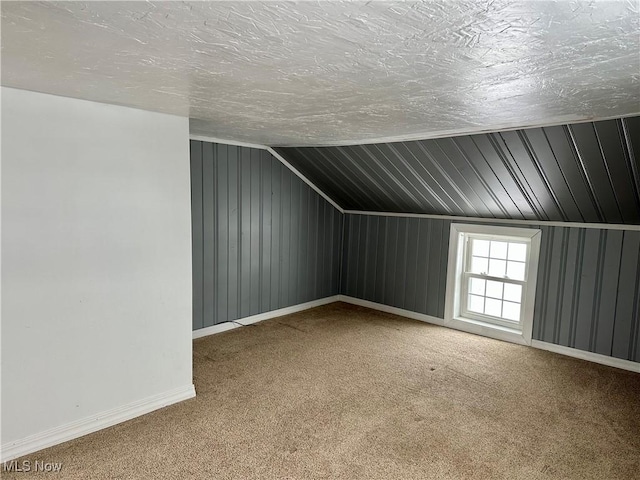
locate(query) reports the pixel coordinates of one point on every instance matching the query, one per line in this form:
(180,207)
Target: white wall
(96,266)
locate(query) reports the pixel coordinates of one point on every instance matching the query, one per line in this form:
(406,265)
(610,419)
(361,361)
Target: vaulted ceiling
(588,172)
(334,72)
(385,106)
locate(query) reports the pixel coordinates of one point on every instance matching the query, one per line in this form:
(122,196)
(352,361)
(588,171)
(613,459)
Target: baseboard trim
(243,322)
(85,426)
(551,347)
(395,310)
(219,328)
(589,356)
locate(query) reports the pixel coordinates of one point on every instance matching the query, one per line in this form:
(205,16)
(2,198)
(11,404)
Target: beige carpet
(346,392)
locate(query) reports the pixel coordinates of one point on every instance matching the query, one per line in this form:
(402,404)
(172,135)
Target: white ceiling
(327,73)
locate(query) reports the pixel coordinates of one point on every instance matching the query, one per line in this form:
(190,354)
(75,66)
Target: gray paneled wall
(588,293)
(262,238)
(397,261)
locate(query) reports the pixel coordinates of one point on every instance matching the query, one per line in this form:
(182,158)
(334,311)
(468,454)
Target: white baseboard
(91,424)
(395,310)
(219,328)
(590,356)
(243,322)
(571,352)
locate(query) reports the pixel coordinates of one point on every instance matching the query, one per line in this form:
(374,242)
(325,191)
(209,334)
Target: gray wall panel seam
(538,167)
(392,179)
(356,188)
(482,181)
(584,173)
(563,259)
(548,239)
(597,297)
(608,171)
(404,263)
(422,181)
(563,174)
(445,175)
(498,179)
(389,192)
(500,150)
(635,318)
(397,179)
(464,179)
(630,158)
(576,289)
(360,169)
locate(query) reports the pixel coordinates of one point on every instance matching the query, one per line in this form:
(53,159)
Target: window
(491,280)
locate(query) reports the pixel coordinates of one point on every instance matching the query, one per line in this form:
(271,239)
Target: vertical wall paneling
(262,239)
(433,269)
(209,235)
(221,246)
(234,229)
(380,254)
(255,250)
(285,237)
(396,261)
(276,234)
(197,235)
(391,261)
(588,294)
(626,313)
(244,201)
(608,288)
(589,288)
(413,244)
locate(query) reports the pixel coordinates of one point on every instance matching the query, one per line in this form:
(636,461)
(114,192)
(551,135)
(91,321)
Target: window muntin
(493,279)
(492,300)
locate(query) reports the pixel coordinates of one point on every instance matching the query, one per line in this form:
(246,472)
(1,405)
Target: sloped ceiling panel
(587,172)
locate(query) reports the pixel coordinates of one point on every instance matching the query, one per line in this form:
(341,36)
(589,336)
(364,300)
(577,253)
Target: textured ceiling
(587,172)
(336,72)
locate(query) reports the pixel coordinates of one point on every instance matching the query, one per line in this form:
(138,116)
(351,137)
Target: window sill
(498,332)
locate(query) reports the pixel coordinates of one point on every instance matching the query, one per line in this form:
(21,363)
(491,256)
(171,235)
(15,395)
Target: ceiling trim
(204,138)
(305,179)
(601,226)
(568,120)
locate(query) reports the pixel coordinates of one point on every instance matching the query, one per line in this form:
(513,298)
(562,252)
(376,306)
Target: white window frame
(456,314)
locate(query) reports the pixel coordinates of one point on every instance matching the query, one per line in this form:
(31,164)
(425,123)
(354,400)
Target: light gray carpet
(346,392)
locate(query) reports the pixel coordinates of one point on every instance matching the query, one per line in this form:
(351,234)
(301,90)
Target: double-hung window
(491,280)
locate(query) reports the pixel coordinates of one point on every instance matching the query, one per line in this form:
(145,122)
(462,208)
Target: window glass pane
(515,270)
(493,307)
(480,248)
(498,249)
(518,251)
(479,265)
(477,286)
(497,268)
(511,311)
(513,292)
(492,286)
(476,304)
(494,289)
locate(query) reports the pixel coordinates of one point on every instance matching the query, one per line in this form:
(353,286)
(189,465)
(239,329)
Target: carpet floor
(344,392)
